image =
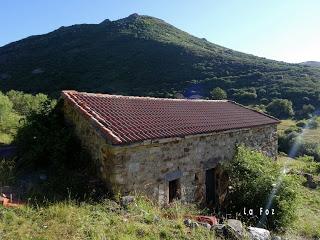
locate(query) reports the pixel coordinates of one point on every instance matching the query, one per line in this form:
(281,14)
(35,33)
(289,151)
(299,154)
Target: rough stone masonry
(168,167)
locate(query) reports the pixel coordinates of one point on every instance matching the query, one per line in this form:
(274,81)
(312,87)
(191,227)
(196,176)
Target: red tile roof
(127,119)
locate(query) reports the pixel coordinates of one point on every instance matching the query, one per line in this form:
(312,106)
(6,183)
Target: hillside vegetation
(142,55)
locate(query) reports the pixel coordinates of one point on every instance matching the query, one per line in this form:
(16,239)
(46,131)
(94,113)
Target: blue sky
(286,30)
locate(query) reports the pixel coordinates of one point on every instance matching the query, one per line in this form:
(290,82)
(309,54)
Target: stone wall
(93,141)
(148,167)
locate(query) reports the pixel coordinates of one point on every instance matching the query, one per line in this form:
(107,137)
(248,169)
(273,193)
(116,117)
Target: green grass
(286,124)
(307,223)
(70,220)
(311,135)
(5,138)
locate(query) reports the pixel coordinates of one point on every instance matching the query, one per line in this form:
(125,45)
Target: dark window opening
(211,187)
(174,190)
(196,177)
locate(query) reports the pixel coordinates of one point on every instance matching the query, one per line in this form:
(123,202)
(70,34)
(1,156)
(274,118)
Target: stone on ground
(259,233)
(126,201)
(234,229)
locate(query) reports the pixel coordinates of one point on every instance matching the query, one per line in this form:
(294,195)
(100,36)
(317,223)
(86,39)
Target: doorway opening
(174,190)
(211,187)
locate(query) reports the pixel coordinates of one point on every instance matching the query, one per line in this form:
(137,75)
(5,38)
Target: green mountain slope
(142,55)
(311,63)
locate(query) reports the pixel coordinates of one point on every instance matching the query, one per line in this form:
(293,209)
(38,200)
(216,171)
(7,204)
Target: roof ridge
(145,97)
(93,116)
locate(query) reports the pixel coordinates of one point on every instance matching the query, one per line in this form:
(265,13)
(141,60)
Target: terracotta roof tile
(127,119)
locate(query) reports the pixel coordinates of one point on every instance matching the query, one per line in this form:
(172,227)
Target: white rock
(259,233)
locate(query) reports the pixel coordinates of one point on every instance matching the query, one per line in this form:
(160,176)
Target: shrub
(253,177)
(310,165)
(7,169)
(24,103)
(45,143)
(313,124)
(307,110)
(264,101)
(291,140)
(280,108)
(9,120)
(245,96)
(293,129)
(218,93)
(301,124)
(311,149)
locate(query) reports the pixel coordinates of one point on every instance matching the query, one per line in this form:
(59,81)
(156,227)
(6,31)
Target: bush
(264,101)
(310,165)
(311,149)
(293,129)
(286,142)
(252,180)
(280,108)
(7,170)
(218,93)
(24,103)
(313,124)
(307,110)
(45,143)
(9,120)
(245,96)
(301,124)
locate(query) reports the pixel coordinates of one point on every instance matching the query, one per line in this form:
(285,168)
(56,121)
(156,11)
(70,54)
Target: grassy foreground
(106,220)
(307,223)
(142,219)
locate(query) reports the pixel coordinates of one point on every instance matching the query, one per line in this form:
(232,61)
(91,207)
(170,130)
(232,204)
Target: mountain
(142,55)
(311,63)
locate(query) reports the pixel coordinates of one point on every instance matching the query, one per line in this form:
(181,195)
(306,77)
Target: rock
(126,201)
(187,222)
(259,233)
(194,225)
(206,225)
(276,238)
(234,229)
(219,229)
(310,182)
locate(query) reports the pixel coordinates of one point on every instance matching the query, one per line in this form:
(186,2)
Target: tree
(9,120)
(24,103)
(245,95)
(218,93)
(5,106)
(307,110)
(280,108)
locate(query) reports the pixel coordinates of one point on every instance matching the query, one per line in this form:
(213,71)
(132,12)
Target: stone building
(166,148)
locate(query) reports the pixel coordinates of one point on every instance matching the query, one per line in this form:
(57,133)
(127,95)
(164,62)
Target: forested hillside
(142,55)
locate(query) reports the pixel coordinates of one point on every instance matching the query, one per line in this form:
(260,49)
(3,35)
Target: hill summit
(143,55)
